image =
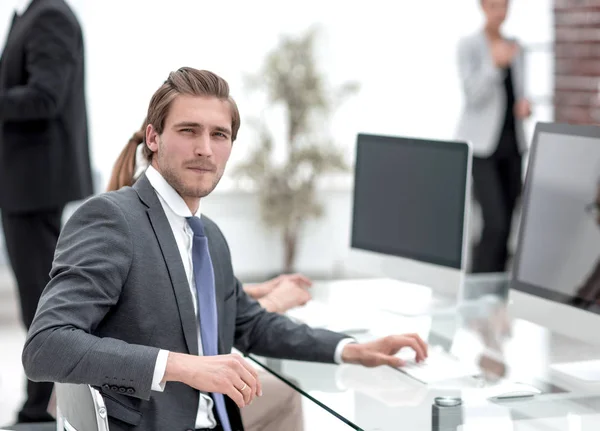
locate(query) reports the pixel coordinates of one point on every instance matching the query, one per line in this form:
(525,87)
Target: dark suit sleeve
(273,335)
(51,50)
(90,268)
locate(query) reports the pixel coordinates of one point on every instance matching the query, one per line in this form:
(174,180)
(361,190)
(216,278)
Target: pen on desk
(513,396)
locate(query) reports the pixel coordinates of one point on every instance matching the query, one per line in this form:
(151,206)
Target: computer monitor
(410,211)
(555,280)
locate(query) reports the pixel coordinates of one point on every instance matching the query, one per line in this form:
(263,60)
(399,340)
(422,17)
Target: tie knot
(196,225)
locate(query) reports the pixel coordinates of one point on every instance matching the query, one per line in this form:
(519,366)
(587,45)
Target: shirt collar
(22,5)
(174,201)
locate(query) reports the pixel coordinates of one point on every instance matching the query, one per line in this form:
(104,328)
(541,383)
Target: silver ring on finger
(243,387)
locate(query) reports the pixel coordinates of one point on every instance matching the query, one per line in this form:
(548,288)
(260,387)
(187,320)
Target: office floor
(12,336)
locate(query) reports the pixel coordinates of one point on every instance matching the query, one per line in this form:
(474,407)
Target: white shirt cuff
(159,371)
(337,356)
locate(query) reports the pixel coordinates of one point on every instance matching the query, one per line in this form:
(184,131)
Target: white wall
(402,53)
(257,251)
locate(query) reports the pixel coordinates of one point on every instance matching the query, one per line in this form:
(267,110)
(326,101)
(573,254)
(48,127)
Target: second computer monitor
(556,275)
(410,218)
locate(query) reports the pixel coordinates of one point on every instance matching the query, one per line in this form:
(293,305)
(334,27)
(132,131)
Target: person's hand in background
(260,290)
(503,52)
(522,109)
(288,294)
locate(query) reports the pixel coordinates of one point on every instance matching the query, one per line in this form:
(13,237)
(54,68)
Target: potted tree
(287,189)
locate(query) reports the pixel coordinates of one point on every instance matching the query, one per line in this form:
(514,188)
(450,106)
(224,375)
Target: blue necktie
(207,305)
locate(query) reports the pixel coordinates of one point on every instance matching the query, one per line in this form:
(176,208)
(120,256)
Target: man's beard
(176,181)
(186,190)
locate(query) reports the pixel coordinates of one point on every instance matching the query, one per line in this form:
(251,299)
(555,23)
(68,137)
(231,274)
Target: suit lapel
(219,283)
(168,246)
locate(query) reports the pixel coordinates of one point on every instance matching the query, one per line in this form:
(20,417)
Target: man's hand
(503,52)
(288,295)
(260,290)
(226,374)
(383,351)
(522,109)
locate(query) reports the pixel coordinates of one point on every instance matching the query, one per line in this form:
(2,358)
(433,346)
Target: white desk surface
(506,351)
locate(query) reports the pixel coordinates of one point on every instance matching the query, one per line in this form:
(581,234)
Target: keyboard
(438,366)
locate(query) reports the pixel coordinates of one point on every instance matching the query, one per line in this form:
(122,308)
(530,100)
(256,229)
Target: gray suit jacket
(485,100)
(118,293)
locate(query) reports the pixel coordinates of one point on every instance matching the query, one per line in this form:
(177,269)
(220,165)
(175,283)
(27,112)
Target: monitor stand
(584,371)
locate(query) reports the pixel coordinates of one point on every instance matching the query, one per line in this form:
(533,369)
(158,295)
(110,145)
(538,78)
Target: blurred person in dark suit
(491,68)
(44,155)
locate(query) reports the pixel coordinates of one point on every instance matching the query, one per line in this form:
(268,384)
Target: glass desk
(504,351)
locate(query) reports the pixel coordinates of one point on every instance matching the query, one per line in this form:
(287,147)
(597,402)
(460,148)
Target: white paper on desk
(382,384)
(319,315)
(313,314)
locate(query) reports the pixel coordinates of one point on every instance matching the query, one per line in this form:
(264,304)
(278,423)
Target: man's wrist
(160,367)
(269,304)
(177,368)
(351,353)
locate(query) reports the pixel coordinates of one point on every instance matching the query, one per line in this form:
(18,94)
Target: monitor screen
(409,198)
(558,255)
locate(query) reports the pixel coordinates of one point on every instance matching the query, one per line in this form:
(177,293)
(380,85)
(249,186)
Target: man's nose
(203,145)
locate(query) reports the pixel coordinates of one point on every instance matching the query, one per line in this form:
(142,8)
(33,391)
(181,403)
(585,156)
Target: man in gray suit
(143,303)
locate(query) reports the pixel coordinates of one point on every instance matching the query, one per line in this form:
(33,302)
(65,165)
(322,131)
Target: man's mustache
(203,165)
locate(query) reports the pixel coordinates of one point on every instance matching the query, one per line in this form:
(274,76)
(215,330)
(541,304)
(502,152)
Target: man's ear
(152,138)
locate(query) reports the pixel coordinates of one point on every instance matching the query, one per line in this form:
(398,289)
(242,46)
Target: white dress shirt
(176,211)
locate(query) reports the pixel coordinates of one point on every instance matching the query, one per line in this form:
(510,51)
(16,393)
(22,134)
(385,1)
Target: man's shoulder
(124,196)
(213,231)
(209,224)
(60,6)
(57,8)
(211,228)
(124,200)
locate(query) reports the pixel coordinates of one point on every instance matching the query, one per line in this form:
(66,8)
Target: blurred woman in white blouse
(492,72)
